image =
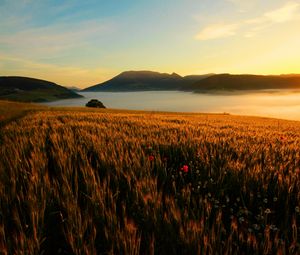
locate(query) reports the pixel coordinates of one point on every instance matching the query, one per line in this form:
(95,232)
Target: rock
(95,103)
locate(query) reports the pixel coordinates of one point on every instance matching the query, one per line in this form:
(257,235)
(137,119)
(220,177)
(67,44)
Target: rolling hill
(228,82)
(139,81)
(147,80)
(26,89)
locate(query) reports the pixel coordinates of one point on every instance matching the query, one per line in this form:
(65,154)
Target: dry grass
(112,182)
(10,111)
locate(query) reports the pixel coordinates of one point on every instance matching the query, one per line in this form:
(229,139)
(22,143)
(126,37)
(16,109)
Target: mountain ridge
(139,80)
(245,82)
(149,80)
(143,81)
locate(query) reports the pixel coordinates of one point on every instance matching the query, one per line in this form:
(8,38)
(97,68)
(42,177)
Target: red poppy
(151,157)
(185,168)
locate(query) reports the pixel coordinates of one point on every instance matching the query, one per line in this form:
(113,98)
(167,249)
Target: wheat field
(76,181)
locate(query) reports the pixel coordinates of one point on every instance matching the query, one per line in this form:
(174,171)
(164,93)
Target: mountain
(73,88)
(146,81)
(32,90)
(197,77)
(140,81)
(229,82)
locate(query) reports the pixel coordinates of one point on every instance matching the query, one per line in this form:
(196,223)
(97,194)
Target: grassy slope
(26,89)
(106,181)
(40,95)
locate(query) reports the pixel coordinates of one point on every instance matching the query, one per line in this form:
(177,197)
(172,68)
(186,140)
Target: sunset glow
(82,43)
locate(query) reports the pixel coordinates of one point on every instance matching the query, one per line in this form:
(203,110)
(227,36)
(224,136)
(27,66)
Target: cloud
(54,39)
(216,31)
(283,14)
(286,13)
(250,27)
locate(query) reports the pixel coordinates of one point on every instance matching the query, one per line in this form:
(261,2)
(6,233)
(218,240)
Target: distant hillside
(147,80)
(32,90)
(73,88)
(140,81)
(229,82)
(197,77)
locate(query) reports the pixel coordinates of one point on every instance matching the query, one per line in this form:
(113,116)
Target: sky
(82,43)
